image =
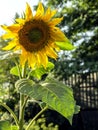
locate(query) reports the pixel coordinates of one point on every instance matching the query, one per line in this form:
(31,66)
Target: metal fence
(85,87)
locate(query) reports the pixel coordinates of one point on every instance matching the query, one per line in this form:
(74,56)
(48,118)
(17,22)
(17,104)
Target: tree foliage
(81,27)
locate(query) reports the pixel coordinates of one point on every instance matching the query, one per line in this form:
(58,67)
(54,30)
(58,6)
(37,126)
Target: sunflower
(35,35)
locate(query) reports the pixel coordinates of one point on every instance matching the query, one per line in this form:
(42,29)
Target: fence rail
(85,87)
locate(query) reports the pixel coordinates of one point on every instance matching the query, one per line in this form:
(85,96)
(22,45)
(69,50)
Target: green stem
(18,68)
(11,112)
(23,102)
(29,74)
(29,125)
(24,71)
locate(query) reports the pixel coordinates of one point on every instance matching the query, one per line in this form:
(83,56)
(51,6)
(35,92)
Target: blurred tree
(81,27)
(8,93)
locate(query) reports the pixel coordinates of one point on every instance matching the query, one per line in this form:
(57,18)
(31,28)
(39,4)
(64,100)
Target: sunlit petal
(49,14)
(50,52)
(8,36)
(23,58)
(40,10)
(5,28)
(57,34)
(31,60)
(18,47)
(55,21)
(20,21)
(28,12)
(14,28)
(38,60)
(43,57)
(11,45)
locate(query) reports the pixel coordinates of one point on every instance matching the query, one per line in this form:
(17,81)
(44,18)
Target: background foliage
(81,27)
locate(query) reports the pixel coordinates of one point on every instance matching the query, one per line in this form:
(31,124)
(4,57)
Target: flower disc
(34,35)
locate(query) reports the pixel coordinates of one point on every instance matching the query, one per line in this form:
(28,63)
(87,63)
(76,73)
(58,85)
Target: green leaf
(38,72)
(13,127)
(52,92)
(65,45)
(4,125)
(14,71)
(77,109)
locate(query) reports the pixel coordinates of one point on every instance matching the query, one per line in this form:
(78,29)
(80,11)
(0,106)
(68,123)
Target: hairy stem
(23,102)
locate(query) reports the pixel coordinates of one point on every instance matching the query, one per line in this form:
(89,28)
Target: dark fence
(85,87)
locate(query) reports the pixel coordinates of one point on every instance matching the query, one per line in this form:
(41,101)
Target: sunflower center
(35,35)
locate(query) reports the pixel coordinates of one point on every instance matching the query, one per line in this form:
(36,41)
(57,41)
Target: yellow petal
(50,52)
(58,35)
(53,12)
(8,36)
(40,10)
(38,60)
(5,28)
(49,14)
(43,58)
(23,58)
(55,21)
(20,21)
(18,47)
(53,45)
(14,28)
(10,45)
(28,12)
(31,60)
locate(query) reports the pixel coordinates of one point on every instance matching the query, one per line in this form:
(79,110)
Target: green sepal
(77,109)
(38,72)
(14,71)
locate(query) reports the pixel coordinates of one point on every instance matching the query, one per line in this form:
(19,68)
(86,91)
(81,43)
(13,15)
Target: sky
(8,9)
